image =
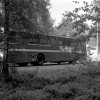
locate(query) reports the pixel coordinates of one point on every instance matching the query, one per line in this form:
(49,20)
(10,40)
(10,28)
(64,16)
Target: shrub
(67,84)
(28,95)
(91,70)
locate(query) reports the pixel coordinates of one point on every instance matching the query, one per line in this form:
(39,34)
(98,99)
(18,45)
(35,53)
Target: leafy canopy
(88,13)
(30,15)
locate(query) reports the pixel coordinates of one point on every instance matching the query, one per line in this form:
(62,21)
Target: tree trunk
(5,71)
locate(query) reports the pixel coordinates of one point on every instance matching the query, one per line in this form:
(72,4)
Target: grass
(67,84)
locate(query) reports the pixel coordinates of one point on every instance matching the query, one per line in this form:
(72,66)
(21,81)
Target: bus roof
(40,34)
(82,38)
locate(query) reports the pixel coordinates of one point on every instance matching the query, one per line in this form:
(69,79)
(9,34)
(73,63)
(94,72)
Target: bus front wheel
(40,59)
(23,64)
(72,62)
(59,63)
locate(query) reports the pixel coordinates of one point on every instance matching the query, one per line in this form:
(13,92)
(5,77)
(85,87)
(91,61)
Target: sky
(58,7)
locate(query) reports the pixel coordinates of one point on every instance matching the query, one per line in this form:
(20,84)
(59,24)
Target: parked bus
(31,48)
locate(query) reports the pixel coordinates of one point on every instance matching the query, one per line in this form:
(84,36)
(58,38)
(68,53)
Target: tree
(30,15)
(23,15)
(65,28)
(1,14)
(90,13)
(5,71)
(79,20)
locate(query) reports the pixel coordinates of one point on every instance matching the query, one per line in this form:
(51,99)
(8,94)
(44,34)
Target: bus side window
(54,42)
(43,39)
(64,42)
(68,42)
(49,40)
(59,41)
(34,39)
(12,40)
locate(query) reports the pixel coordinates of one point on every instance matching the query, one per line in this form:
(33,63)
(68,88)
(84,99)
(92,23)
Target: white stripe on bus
(35,50)
(34,44)
(40,44)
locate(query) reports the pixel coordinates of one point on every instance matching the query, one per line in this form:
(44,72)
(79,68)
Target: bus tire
(59,63)
(70,62)
(33,63)
(23,64)
(40,59)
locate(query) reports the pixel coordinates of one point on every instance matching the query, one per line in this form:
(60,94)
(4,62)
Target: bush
(67,84)
(28,95)
(90,70)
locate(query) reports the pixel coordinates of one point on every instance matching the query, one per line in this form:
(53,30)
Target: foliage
(79,20)
(30,15)
(65,28)
(81,83)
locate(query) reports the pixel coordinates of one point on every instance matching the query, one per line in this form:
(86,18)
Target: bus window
(43,39)
(12,40)
(59,41)
(64,42)
(33,39)
(49,40)
(68,43)
(54,42)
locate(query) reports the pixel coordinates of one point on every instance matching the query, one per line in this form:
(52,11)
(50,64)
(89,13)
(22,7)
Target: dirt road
(49,67)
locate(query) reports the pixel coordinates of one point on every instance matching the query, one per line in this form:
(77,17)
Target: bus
(31,48)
